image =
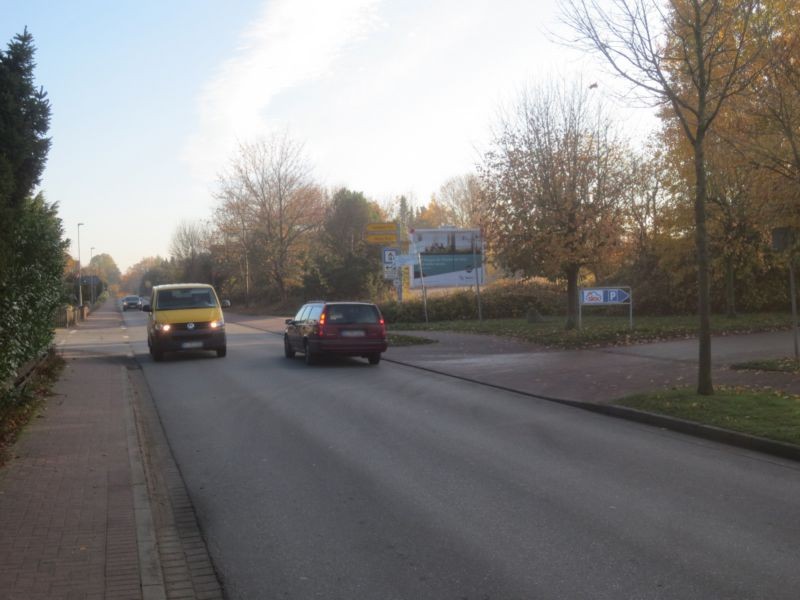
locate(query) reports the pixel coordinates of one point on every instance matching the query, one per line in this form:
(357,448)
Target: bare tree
(189,246)
(273,178)
(691,56)
(235,221)
(553,184)
(461,197)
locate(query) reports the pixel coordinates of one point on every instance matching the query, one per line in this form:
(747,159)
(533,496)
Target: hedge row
(501,300)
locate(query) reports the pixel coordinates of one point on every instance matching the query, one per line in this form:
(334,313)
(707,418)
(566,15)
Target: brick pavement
(87,509)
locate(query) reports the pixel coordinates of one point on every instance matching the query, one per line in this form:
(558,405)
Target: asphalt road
(350,481)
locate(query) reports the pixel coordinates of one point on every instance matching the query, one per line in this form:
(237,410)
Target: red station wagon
(343,328)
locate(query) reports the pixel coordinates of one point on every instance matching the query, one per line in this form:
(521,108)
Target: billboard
(446,257)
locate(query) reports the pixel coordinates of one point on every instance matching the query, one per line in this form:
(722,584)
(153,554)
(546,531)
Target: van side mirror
(146,308)
(226,304)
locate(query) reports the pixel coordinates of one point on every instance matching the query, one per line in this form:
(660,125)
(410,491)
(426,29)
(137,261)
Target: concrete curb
(150,568)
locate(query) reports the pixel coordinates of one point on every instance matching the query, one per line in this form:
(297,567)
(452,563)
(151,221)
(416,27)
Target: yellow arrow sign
(381,228)
(381,238)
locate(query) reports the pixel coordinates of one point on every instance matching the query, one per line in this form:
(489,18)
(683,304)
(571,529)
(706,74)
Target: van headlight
(218,324)
(163,327)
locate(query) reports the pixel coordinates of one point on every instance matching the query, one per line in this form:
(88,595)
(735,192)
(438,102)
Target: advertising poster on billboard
(446,258)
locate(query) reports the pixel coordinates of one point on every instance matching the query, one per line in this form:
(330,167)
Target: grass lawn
(781,365)
(605,331)
(765,413)
(399,339)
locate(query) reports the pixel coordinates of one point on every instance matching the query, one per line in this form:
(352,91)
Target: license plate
(353,333)
(189,345)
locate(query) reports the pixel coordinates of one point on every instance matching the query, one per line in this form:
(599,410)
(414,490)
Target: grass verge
(19,406)
(401,339)
(761,412)
(781,365)
(606,331)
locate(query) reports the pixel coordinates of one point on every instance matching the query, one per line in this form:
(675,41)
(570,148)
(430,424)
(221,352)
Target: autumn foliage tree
(553,183)
(691,56)
(271,205)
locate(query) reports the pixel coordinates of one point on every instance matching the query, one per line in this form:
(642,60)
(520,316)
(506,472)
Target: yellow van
(185,316)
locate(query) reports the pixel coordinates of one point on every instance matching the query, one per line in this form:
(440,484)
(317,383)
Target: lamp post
(80,282)
(91,255)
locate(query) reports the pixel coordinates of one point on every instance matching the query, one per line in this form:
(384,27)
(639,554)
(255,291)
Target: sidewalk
(84,513)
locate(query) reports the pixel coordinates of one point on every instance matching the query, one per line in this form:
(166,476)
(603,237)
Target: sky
(150,99)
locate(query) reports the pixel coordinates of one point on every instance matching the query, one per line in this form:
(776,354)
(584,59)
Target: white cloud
(291,43)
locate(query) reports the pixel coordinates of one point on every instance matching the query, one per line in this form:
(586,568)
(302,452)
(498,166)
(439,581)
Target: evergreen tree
(24,122)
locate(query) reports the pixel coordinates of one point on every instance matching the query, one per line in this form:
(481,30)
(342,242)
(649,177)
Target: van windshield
(185,298)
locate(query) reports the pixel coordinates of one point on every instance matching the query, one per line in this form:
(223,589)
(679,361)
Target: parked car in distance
(185,316)
(133,302)
(341,328)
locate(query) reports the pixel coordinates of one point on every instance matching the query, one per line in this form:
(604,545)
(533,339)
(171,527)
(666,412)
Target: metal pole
(424,291)
(580,309)
(91,256)
(793,292)
(399,270)
(80,276)
(630,308)
(477,277)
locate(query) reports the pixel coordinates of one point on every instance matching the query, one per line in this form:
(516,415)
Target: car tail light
(382,323)
(319,329)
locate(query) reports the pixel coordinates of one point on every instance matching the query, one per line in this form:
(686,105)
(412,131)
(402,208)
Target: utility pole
(80,275)
(91,256)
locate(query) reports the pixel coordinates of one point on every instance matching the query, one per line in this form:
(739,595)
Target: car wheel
(221,352)
(158,355)
(375,358)
(287,347)
(310,358)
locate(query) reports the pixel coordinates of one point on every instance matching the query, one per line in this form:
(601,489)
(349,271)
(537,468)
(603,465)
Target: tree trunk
(572,296)
(704,384)
(730,288)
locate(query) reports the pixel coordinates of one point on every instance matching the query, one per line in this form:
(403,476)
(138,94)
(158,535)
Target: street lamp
(80,291)
(91,255)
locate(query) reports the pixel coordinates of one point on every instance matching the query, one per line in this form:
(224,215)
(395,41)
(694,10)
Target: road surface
(349,481)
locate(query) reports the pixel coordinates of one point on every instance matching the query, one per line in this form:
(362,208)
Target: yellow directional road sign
(381,238)
(381,228)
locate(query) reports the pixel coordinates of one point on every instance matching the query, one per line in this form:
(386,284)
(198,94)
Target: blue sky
(149,98)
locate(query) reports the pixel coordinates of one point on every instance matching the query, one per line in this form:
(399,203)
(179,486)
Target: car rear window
(185,298)
(345,314)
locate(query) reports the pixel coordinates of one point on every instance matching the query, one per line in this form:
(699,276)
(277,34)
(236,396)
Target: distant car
(185,316)
(342,328)
(131,302)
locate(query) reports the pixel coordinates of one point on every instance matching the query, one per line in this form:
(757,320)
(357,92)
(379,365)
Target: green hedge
(501,300)
(30,286)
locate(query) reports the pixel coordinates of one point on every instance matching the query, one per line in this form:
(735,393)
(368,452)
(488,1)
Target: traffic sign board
(401,260)
(389,255)
(382,228)
(605,296)
(381,238)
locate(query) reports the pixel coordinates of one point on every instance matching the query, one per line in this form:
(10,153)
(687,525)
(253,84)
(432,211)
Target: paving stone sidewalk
(84,513)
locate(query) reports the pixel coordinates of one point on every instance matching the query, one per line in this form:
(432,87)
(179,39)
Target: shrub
(500,300)
(30,287)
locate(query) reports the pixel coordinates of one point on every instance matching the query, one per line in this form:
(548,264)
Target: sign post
(605,296)
(783,239)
